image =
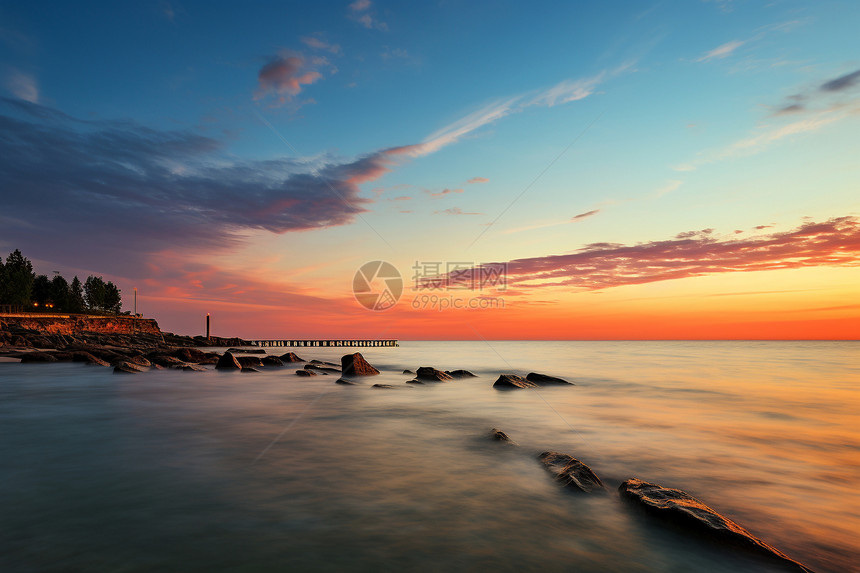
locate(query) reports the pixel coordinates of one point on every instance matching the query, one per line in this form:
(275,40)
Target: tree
(76,296)
(61,293)
(16,286)
(41,292)
(94,292)
(113,298)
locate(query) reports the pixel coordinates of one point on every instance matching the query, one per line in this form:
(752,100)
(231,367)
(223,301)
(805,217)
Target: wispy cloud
(721,52)
(474,180)
(842,82)
(835,242)
(318,44)
(443,192)
(23,86)
(283,76)
(455,211)
(585,215)
(360,12)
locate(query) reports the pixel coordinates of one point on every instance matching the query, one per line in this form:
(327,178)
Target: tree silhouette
(76,296)
(16,279)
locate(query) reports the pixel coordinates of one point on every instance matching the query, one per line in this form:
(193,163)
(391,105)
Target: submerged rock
(500,436)
(246,351)
(190,355)
(140,361)
(542,379)
(433,375)
(322,363)
(166,361)
(129,368)
(571,472)
(193,368)
(82,356)
(356,365)
(290,357)
(305,373)
(228,362)
(383,386)
(414,382)
(408,372)
(460,374)
(37,357)
(345,382)
(249,361)
(249,370)
(506,381)
(272,361)
(684,510)
(323,369)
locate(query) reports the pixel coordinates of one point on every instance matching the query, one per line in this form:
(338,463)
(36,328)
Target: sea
(228,471)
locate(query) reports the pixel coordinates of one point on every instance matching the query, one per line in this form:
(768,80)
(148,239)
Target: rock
(571,472)
(290,357)
(249,369)
(249,361)
(433,375)
(345,382)
(383,386)
(193,368)
(684,510)
(190,355)
(414,382)
(460,374)
(543,379)
(37,357)
(323,363)
(62,356)
(246,351)
(166,361)
(408,372)
(323,369)
(128,368)
(305,373)
(227,362)
(209,358)
(272,361)
(507,381)
(356,365)
(500,436)
(139,360)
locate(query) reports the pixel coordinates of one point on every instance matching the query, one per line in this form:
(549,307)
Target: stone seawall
(73,325)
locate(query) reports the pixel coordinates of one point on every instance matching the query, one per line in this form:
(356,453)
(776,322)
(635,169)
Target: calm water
(157,471)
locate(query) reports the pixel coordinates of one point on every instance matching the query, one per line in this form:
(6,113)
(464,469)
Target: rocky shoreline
(139,353)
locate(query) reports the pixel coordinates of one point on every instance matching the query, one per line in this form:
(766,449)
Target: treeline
(19,285)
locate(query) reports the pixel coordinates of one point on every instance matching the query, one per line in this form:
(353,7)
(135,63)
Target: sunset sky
(641,170)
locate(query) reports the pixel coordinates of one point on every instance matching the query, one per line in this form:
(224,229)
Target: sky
(550,170)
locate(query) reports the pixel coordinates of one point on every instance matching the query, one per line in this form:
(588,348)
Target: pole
(207,326)
(135,302)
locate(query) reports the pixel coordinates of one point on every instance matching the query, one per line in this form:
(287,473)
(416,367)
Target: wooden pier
(326,343)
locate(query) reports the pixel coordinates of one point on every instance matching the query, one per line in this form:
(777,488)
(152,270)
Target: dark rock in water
(323,369)
(414,382)
(209,358)
(249,370)
(682,509)
(249,361)
(513,381)
(290,357)
(190,355)
(227,362)
(81,356)
(37,357)
(272,361)
(571,472)
(408,372)
(139,360)
(431,374)
(62,356)
(345,382)
(460,374)
(500,436)
(128,368)
(305,373)
(246,351)
(542,379)
(322,363)
(383,386)
(356,365)
(166,361)
(193,368)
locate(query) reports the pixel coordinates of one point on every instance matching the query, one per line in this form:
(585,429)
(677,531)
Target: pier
(337,343)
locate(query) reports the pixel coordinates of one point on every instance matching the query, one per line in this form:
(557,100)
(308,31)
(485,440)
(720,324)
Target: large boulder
(290,357)
(356,365)
(249,361)
(460,374)
(166,361)
(432,375)
(272,361)
(139,360)
(228,362)
(571,472)
(190,355)
(544,380)
(506,381)
(690,514)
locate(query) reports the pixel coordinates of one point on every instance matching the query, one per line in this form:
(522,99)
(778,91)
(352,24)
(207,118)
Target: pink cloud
(444,192)
(284,77)
(474,180)
(835,242)
(455,211)
(585,215)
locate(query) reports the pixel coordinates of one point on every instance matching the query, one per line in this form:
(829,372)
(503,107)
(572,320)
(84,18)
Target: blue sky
(646,120)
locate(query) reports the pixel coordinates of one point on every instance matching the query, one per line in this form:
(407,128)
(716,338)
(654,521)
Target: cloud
(721,52)
(842,82)
(359,5)
(359,13)
(443,192)
(117,186)
(835,242)
(318,44)
(23,86)
(455,211)
(284,77)
(568,91)
(585,215)
(474,180)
